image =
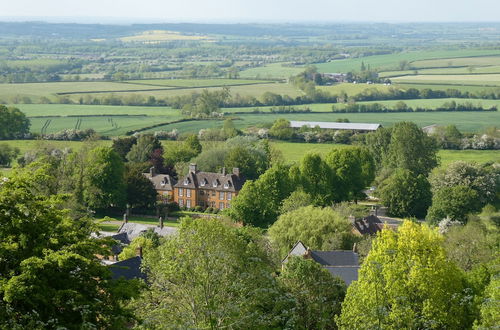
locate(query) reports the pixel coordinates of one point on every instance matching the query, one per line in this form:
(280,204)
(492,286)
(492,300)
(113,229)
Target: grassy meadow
(272,71)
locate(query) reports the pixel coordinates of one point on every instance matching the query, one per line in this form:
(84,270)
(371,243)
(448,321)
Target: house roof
(128,269)
(161,181)
(346,273)
(335,125)
(336,258)
(211,181)
(369,225)
(341,263)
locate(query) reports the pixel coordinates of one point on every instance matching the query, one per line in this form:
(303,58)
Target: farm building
(361,127)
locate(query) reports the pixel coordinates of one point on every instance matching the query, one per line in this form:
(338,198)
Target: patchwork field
(465,121)
(392,61)
(470,79)
(196,82)
(98,110)
(272,71)
(163,35)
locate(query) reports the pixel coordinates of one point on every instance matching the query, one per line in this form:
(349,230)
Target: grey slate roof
(336,258)
(341,263)
(127,269)
(211,181)
(335,125)
(346,273)
(161,181)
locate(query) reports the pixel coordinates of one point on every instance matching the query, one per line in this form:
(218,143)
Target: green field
(35,90)
(353,89)
(32,110)
(196,82)
(465,121)
(272,71)
(391,61)
(421,103)
(443,71)
(467,79)
(460,61)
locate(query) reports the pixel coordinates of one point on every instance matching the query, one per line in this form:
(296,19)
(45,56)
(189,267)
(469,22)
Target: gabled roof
(211,181)
(335,125)
(341,263)
(161,181)
(346,273)
(336,258)
(369,225)
(127,269)
(132,230)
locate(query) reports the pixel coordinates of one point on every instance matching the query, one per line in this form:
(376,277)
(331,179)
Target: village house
(204,189)
(340,263)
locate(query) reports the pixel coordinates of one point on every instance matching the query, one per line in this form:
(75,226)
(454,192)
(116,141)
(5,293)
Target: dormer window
(215,183)
(203,182)
(226,185)
(186,181)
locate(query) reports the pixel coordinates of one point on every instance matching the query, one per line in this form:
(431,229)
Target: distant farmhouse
(360,127)
(205,189)
(341,263)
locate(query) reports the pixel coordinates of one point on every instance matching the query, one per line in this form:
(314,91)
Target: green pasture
(391,61)
(465,121)
(460,61)
(77,109)
(327,107)
(196,82)
(35,90)
(353,89)
(255,90)
(105,125)
(466,79)
(272,71)
(443,71)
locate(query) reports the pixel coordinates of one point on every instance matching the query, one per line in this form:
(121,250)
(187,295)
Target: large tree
(411,149)
(49,274)
(103,179)
(13,123)
(406,282)
(141,151)
(318,228)
(211,275)
(317,294)
(405,194)
(258,203)
(140,191)
(476,177)
(7,154)
(453,202)
(122,145)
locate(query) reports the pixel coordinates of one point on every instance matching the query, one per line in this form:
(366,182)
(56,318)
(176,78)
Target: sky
(319,11)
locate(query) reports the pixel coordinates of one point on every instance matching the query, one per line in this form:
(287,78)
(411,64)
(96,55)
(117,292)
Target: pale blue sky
(255,10)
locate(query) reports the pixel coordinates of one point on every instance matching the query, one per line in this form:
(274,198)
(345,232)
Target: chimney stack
(224,171)
(192,168)
(236,171)
(161,222)
(125,218)
(139,251)
(152,171)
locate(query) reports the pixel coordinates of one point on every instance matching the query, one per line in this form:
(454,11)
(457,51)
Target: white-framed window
(181,191)
(221,205)
(228,205)
(226,185)
(214,183)
(188,203)
(221,195)
(213,193)
(202,192)
(188,192)
(229,195)
(181,202)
